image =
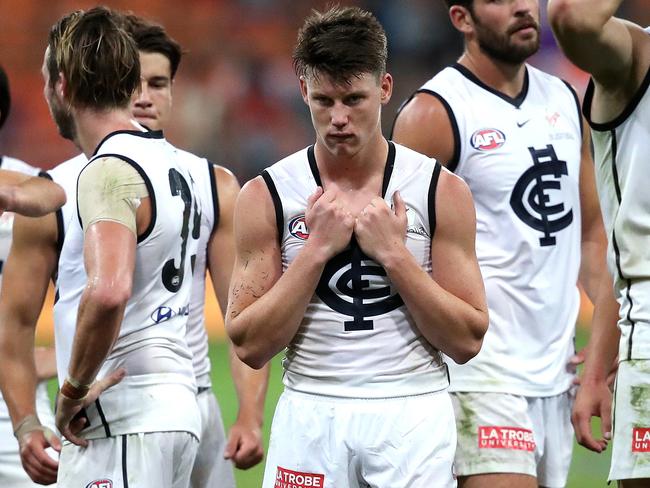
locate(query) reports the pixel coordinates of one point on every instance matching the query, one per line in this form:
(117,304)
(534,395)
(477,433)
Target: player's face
(346,116)
(60,112)
(153,105)
(507,30)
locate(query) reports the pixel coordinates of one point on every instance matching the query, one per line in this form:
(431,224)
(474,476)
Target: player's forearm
(450,324)
(604,339)
(268,324)
(45,359)
(251,386)
(36,197)
(17,373)
(98,325)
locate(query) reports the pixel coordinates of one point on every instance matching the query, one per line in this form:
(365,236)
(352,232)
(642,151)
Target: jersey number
(173,276)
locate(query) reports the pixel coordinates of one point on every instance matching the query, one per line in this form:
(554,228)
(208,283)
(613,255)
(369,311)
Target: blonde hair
(97,57)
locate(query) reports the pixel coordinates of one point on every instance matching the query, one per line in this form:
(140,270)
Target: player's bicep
(258,262)
(424,125)
(453,253)
(110,189)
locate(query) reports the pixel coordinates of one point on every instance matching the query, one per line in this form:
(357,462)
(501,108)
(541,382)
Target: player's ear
(461,19)
(303,90)
(60,87)
(386,88)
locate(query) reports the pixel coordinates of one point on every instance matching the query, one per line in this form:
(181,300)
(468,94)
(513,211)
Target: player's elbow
(471,344)
(569,16)
(255,359)
(108,295)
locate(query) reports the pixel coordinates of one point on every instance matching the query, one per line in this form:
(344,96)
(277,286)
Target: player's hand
(37,463)
(330,223)
(593,400)
(67,409)
(244,446)
(379,229)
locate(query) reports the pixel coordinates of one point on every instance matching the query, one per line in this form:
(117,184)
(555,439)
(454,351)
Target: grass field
(588,470)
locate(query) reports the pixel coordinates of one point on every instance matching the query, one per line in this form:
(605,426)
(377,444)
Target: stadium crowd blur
(236,98)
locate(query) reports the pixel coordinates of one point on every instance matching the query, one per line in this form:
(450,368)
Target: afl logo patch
(100,484)
(487,139)
(298,228)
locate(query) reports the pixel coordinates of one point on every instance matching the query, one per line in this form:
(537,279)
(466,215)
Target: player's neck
(357,171)
(93,126)
(506,78)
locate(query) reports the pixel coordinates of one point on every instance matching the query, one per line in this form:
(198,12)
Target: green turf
(588,470)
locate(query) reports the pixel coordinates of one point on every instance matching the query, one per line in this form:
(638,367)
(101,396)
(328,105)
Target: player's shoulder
(15,164)
(410,158)
(294,166)
(548,81)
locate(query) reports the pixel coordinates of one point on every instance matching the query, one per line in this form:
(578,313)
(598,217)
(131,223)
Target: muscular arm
(26,274)
(614,51)
(245,444)
(29,195)
(424,126)
(448,306)
(266,305)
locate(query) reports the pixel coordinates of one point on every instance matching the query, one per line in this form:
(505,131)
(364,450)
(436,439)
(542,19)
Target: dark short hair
(153,38)
(98,58)
(342,42)
(468,4)
(5,97)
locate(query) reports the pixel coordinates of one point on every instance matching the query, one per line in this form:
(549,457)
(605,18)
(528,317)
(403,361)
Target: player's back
(521,159)
(150,345)
(357,338)
(623,178)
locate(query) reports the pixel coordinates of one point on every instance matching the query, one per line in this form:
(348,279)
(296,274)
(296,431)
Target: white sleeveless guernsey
(623,179)
(205,188)
(521,160)
(357,338)
(158,393)
(7,441)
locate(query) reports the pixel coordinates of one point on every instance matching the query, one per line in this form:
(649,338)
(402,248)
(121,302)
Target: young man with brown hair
(357,256)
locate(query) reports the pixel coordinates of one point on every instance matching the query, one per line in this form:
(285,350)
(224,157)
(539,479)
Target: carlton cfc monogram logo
(343,288)
(530,200)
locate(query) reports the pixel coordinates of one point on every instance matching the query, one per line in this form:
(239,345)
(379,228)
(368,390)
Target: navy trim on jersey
(1,159)
(107,429)
(147,182)
(617,252)
(517,101)
(433,185)
(388,169)
(311,157)
(125,476)
(60,229)
(152,134)
(215,196)
(623,116)
(277,204)
(577,100)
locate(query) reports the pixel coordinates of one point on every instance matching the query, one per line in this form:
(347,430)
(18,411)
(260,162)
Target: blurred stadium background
(237,103)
